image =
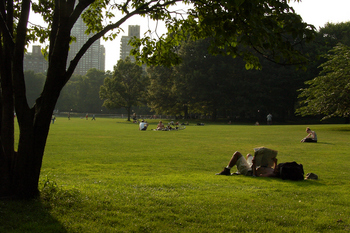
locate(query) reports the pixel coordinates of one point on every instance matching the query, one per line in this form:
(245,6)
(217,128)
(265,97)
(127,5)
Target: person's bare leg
(232,163)
(234,159)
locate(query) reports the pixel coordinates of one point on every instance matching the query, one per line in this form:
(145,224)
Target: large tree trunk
(128,109)
(20,170)
(185,109)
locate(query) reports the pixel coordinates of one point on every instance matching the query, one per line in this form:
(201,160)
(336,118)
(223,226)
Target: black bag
(291,171)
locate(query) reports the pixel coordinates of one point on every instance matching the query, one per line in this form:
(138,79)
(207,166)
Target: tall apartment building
(94,56)
(35,61)
(133,30)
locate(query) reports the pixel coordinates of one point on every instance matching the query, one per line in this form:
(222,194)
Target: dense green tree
(34,85)
(329,93)
(126,88)
(88,91)
(161,94)
(81,93)
(68,100)
(261,24)
(221,86)
(202,78)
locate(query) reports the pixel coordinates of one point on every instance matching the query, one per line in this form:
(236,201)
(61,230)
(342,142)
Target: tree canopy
(329,93)
(125,88)
(270,28)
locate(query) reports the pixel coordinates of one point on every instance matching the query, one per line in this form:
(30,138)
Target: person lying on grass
(250,167)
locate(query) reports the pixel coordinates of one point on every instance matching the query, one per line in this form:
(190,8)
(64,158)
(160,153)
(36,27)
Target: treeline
(208,85)
(221,86)
(81,93)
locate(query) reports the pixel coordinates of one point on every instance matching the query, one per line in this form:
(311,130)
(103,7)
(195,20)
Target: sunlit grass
(107,176)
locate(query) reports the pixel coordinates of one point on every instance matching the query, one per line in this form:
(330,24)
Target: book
(264,156)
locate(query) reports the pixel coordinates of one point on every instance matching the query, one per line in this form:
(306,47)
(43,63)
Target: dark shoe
(225,172)
(311,176)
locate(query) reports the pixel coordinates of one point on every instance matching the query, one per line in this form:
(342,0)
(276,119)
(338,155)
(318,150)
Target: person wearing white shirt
(143,125)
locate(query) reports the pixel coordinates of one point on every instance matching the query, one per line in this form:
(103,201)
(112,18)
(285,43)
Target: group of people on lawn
(171,125)
(143,126)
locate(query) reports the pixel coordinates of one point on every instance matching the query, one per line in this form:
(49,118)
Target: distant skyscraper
(35,60)
(94,56)
(134,30)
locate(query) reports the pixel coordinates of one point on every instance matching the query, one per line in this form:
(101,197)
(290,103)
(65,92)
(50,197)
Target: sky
(319,12)
(316,12)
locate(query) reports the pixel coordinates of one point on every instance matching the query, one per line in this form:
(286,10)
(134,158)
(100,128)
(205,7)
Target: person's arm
(310,134)
(275,168)
(254,166)
(268,172)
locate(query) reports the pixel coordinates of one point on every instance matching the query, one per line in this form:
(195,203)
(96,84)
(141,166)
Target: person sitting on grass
(311,137)
(160,126)
(143,125)
(249,166)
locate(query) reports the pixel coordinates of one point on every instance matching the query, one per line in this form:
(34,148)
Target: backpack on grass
(291,171)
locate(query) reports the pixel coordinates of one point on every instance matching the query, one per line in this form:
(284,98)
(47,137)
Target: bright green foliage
(126,88)
(81,93)
(162,94)
(329,93)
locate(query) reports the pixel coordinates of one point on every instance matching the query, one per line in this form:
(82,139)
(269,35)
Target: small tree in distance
(126,88)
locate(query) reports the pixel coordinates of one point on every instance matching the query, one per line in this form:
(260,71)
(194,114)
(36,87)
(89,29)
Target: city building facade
(125,48)
(94,56)
(35,61)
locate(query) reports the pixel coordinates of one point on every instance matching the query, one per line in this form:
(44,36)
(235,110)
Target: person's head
(142,121)
(308,130)
(160,122)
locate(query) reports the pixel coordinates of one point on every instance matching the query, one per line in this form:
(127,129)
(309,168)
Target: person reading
(262,164)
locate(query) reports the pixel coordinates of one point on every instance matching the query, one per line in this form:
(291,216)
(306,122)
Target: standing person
(93,117)
(269,119)
(311,137)
(53,119)
(134,117)
(68,115)
(143,125)
(249,167)
(87,116)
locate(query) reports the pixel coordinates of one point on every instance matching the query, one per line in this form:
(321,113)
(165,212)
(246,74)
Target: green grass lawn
(107,176)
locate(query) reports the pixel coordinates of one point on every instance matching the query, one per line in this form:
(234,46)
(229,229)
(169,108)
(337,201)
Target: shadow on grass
(27,216)
(345,128)
(327,143)
(305,183)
